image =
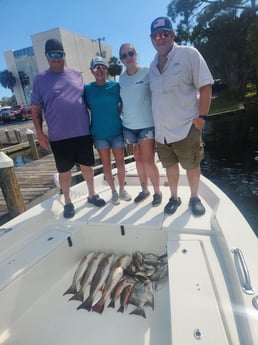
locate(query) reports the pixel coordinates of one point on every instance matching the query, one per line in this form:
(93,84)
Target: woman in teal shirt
(103,100)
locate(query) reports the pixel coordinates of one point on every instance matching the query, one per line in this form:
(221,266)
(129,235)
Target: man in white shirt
(181,87)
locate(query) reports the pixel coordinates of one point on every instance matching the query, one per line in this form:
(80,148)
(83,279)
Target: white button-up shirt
(175,92)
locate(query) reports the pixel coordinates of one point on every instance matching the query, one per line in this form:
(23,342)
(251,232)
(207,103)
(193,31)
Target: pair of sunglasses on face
(128,54)
(99,67)
(160,35)
(56,55)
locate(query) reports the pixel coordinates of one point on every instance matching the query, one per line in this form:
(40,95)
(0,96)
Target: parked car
(26,112)
(4,110)
(17,113)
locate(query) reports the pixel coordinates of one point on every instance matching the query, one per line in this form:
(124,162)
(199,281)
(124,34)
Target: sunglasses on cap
(160,35)
(57,55)
(101,67)
(125,55)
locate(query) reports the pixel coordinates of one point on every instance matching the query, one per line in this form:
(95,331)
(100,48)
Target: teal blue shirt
(103,102)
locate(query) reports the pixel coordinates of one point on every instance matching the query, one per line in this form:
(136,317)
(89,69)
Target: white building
(27,62)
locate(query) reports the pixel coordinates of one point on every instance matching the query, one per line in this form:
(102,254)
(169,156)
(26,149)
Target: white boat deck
(204,298)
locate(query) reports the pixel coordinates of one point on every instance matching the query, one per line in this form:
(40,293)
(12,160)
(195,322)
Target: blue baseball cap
(161,23)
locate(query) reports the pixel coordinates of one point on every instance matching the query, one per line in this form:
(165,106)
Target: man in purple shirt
(58,93)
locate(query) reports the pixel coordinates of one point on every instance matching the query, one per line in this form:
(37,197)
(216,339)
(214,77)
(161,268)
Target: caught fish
(142,295)
(116,293)
(87,278)
(74,288)
(124,297)
(98,281)
(153,259)
(114,277)
(161,274)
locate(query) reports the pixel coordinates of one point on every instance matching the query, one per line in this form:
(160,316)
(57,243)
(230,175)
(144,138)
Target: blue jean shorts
(133,136)
(113,143)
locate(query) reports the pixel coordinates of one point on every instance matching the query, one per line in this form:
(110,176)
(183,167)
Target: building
(27,62)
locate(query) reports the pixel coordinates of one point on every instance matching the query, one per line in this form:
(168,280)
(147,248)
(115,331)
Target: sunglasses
(125,55)
(58,55)
(160,35)
(101,67)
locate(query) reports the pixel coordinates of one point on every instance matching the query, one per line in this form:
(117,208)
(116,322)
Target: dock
(36,181)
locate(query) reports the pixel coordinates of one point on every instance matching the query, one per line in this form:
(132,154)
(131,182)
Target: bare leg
(193,177)
(106,162)
(173,178)
(88,175)
(65,179)
(147,153)
(120,164)
(143,177)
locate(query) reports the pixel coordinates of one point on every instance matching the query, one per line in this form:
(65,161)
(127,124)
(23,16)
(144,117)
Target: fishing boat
(210,295)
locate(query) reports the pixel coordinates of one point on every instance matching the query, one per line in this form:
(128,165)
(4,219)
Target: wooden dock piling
(10,187)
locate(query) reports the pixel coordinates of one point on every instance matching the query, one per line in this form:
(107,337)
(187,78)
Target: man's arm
(204,105)
(37,119)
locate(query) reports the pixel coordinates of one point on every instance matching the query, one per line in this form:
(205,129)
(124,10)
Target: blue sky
(117,20)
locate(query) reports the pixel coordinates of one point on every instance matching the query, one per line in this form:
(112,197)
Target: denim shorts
(113,143)
(133,136)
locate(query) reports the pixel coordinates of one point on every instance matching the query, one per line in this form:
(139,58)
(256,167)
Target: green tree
(219,30)
(191,12)
(7,80)
(115,67)
(252,49)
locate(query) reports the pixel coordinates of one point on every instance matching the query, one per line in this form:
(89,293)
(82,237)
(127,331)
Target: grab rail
(247,286)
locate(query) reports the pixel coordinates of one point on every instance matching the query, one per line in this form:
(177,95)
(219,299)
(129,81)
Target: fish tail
(139,311)
(121,309)
(98,307)
(111,304)
(87,304)
(77,297)
(70,291)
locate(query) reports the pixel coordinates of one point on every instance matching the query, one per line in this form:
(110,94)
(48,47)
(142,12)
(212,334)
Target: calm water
(231,160)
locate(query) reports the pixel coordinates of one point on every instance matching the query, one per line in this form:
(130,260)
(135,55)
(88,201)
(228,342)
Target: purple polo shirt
(60,95)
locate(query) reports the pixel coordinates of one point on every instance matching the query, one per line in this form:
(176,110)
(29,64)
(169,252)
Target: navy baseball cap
(161,23)
(53,45)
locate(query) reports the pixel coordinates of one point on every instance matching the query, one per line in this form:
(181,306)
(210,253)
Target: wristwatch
(204,117)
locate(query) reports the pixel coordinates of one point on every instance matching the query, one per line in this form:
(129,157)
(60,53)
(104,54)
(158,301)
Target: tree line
(226,33)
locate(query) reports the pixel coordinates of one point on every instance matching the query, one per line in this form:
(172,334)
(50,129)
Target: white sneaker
(115,198)
(124,195)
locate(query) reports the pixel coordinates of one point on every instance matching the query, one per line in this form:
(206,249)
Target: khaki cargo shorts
(188,152)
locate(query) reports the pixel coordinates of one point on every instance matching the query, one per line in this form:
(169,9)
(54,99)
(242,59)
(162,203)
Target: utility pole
(99,41)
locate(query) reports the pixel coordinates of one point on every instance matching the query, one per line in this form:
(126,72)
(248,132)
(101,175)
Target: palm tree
(115,67)
(7,80)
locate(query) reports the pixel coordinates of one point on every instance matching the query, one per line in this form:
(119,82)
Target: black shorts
(70,151)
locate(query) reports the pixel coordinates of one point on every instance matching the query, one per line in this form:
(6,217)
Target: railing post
(10,186)
(33,146)
(7,136)
(18,135)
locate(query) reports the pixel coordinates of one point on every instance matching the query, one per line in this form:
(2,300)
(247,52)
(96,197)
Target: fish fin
(139,311)
(77,297)
(87,304)
(70,291)
(121,309)
(111,304)
(98,307)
